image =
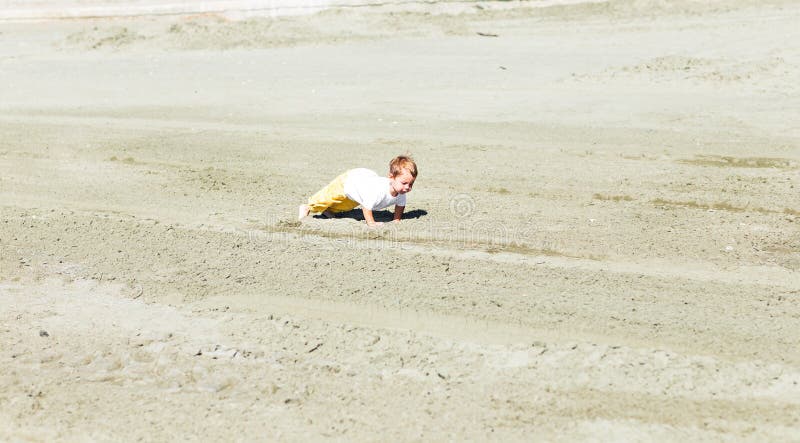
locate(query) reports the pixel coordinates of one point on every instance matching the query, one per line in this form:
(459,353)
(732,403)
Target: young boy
(365,188)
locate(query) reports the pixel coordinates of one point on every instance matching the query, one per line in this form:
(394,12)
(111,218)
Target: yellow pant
(332,197)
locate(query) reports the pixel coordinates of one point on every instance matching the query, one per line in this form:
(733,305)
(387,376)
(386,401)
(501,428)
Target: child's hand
(369,218)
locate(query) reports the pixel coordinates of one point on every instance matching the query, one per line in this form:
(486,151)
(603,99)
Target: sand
(603,242)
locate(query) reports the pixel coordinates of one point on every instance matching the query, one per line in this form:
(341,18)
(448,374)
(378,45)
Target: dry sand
(603,242)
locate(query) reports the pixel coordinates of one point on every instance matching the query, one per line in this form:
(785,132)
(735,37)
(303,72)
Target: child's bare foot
(302,211)
(328,213)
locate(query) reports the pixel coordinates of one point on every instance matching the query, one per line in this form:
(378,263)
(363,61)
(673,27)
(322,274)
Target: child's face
(402,182)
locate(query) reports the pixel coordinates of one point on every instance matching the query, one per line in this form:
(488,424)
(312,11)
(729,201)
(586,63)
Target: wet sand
(603,242)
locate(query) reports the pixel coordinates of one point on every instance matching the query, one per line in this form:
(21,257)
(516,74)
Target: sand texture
(603,243)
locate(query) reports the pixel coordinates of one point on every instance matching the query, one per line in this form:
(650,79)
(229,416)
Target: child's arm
(398,213)
(369,218)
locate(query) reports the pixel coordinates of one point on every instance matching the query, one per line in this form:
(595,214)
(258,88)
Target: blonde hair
(401,162)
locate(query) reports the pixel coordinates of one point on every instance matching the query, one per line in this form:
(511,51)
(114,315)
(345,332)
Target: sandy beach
(603,243)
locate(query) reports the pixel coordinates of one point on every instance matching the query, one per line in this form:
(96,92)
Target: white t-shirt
(370,190)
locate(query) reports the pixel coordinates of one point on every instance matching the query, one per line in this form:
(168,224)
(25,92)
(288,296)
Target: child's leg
(331,197)
(343,206)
